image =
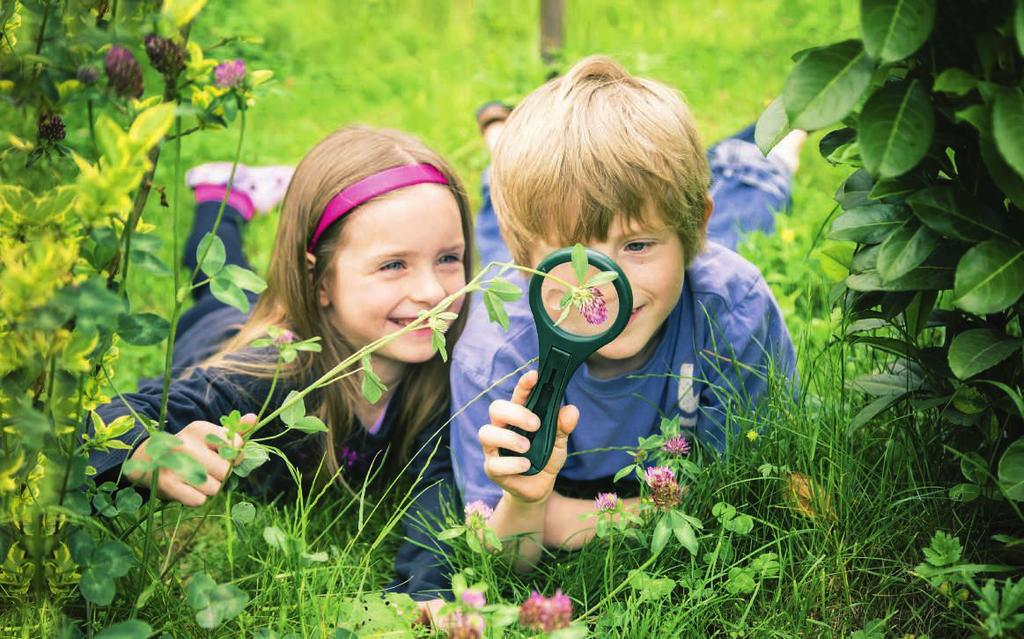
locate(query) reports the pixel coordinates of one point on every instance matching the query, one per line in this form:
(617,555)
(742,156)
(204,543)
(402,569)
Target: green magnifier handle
(561,353)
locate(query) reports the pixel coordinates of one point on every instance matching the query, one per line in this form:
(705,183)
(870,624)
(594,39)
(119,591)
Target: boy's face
(651,256)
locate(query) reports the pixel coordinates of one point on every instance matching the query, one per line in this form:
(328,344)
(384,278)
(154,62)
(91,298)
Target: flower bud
(50,128)
(123,72)
(165,55)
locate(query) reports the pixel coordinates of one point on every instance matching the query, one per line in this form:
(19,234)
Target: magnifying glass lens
(585,312)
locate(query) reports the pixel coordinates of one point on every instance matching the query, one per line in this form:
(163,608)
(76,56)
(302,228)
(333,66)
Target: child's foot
(265,186)
(490,118)
(787,151)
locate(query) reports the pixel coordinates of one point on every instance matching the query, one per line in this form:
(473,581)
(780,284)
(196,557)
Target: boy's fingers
(504,412)
(503,466)
(523,387)
(492,438)
(568,417)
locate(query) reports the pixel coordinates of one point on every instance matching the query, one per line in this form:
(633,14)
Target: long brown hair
(290,300)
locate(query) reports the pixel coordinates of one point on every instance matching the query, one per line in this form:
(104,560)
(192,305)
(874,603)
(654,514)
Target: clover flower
(591,304)
(606,502)
(465,625)
(229,74)
(123,72)
(284,337)
(477,513)
(473,598)
(546,614)
(347,457)
(51,128)
(677,446)
(665,491)
(165,55)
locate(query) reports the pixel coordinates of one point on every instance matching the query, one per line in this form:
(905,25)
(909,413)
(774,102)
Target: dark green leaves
(896,128)
(955,214)
(869,224)
(214,603)
(989,277)
(1008,127)
(905,249)
(143,329)
(978,350)
(101,565)
(1011,471)
(131,629)
(826,84)
(894,29)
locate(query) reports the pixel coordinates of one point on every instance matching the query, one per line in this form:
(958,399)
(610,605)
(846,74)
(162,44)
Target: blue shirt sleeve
(748,350)
(469,413)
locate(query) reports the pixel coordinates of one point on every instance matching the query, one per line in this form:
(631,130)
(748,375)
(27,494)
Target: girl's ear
(709,207)
(321,292)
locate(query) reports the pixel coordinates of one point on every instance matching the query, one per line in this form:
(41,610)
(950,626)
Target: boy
(614,162)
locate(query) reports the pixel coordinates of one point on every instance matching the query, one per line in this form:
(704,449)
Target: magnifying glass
(569,330)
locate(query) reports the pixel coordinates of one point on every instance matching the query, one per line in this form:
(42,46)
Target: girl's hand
(194,444)
(428,614)
(507,471)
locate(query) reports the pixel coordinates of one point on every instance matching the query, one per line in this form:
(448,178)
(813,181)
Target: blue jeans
(747,188)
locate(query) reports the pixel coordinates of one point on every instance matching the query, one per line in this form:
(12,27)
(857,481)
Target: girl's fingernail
(524,445)
(535,422)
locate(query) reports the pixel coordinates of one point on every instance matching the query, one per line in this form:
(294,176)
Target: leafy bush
(928,243)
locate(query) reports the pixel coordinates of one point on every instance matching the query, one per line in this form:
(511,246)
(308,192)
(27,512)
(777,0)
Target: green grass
(424,67)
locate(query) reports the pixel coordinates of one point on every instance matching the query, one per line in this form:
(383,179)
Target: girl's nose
(428,289)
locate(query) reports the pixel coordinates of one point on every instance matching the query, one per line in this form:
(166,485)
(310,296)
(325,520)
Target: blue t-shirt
(721,341)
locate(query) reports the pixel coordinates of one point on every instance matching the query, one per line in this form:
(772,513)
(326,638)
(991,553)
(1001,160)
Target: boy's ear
(709,207)
(321,293)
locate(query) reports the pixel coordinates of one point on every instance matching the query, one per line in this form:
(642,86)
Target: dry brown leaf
(807,497)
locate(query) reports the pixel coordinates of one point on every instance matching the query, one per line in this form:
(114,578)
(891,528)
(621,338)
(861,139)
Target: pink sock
(237,200)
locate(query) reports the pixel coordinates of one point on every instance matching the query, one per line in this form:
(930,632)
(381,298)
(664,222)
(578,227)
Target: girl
(375,228)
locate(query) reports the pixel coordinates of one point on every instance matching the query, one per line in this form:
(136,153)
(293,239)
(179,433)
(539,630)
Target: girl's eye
(450,259)
(392,266)
(637,247)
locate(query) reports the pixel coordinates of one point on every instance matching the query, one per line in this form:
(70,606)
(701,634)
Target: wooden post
(552,29)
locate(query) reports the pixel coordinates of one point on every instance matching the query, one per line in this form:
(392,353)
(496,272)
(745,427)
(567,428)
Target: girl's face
(398,255)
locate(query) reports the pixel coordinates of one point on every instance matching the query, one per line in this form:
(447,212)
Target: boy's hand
(194,444)
(507,471)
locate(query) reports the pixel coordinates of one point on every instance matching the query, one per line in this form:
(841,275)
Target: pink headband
(388,180)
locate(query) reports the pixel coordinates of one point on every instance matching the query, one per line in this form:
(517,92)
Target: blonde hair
(592,145)
(291,300)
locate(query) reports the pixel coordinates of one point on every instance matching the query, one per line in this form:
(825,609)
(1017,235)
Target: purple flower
(546,614)
(473,598)
(51,128)
(465,626)
(477,513)
(230,74)
(665,491)
(347,457)
(606,502)
(165,55)
(677,446)
(591,304)
(123,72)
(284,337)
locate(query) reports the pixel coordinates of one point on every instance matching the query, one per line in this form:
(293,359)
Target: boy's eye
(392,266)
(636,247)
